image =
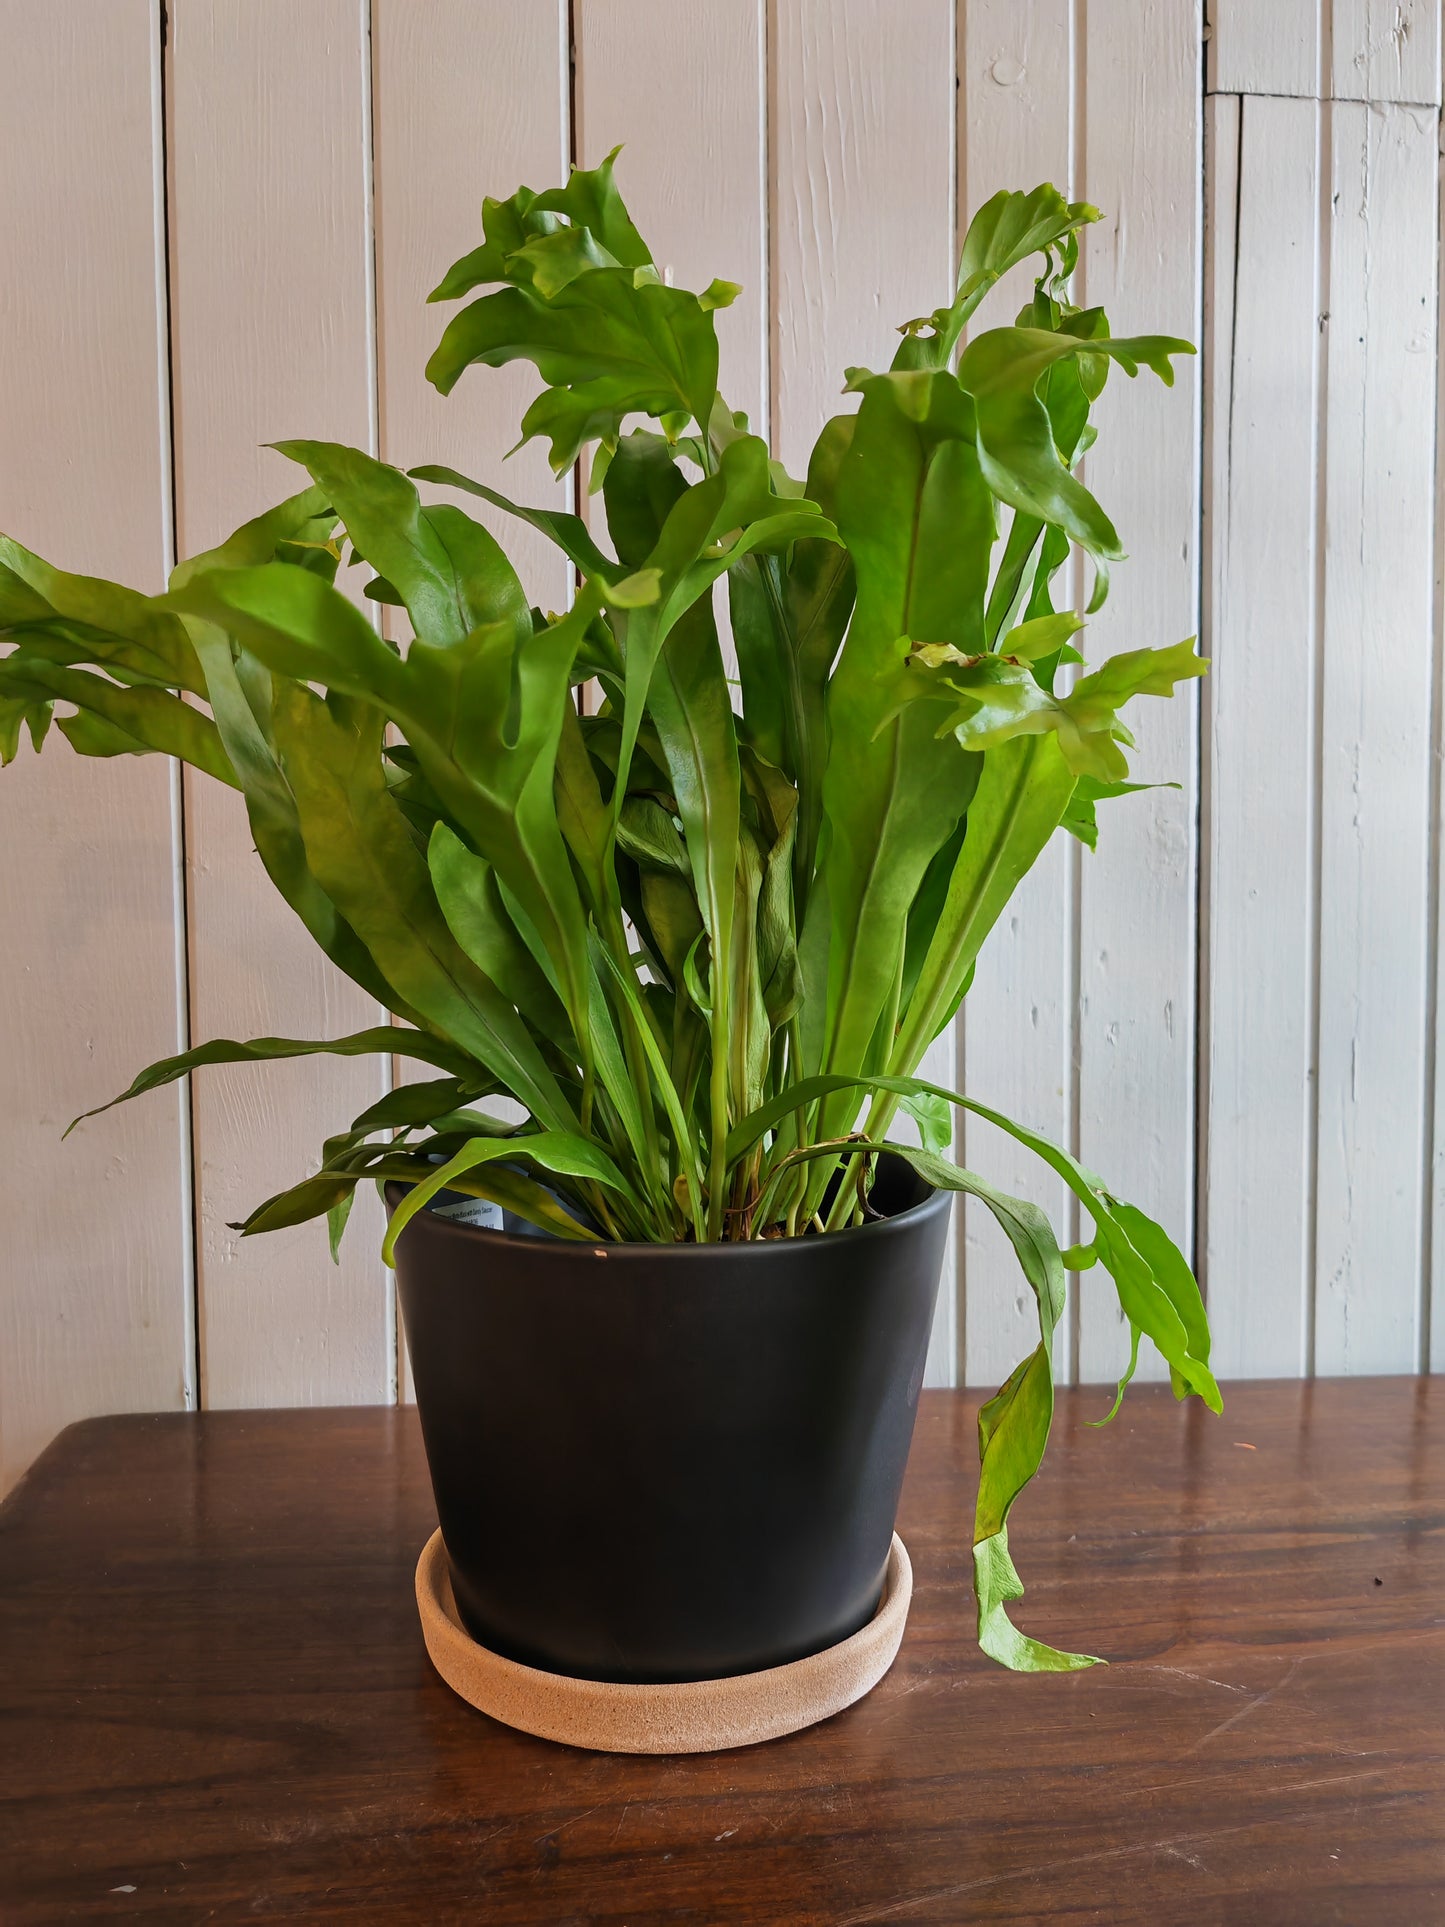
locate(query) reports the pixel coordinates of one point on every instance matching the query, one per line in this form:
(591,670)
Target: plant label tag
(479,1211)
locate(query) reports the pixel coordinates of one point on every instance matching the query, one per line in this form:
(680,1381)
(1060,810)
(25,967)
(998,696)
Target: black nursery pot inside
(670,1462)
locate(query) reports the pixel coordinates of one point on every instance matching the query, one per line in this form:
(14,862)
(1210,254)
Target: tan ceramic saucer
(702,1716)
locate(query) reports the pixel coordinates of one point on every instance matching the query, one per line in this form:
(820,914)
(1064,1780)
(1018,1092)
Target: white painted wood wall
(217,229)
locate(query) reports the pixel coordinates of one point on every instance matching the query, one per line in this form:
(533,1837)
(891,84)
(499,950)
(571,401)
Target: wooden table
(214,1699)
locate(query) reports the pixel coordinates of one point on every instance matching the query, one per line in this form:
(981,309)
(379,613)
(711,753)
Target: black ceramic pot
(670,1462)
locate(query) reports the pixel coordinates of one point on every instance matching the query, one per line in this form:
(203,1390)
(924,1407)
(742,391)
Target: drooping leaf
(1013,1427)
(17,712)
(1001,370)
(116,720)
(383,1040)
(299,532)
(1126,1378)
(333,1186)
(1157,1291)
(484,717)
(1035,550)
(241,695)
(420,1103)
(115,628)
(336,1221)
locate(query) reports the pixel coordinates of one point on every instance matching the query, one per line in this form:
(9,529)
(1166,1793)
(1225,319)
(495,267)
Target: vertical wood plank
(1264,301)
(470,100)
(95,1305)
(1432,1309)
(861,113)
(1386,50)
(1016,128)
(700,201)
(1277,48)
(1380,50)
(271,333)
(1137,904)
(861,118)
(1379,422)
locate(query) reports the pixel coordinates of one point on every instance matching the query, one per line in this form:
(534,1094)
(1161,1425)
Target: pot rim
(772,1249)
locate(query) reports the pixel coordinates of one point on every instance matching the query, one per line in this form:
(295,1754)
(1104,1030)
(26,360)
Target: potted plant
(668,1330)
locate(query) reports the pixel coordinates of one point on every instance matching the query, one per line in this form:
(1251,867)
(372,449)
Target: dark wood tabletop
(215,1703)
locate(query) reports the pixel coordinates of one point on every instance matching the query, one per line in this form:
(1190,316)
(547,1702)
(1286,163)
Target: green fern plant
(702,943)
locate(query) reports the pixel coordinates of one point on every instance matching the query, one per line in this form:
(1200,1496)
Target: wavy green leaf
(117,721)
(1001,369)
(1005,231)
(484,717)
(569,532)
(383,1040)
(115,628)
(991,700)
(586,306)
(1013,1427)
(449,571)
(1156,1288)
(1080,819)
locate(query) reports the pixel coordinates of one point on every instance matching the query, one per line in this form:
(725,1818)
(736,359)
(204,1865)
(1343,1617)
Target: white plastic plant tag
(480,1211)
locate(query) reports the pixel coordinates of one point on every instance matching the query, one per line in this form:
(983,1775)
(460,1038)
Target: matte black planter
(670,1462)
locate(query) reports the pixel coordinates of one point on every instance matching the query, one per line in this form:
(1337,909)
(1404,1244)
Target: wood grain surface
(216,1701)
